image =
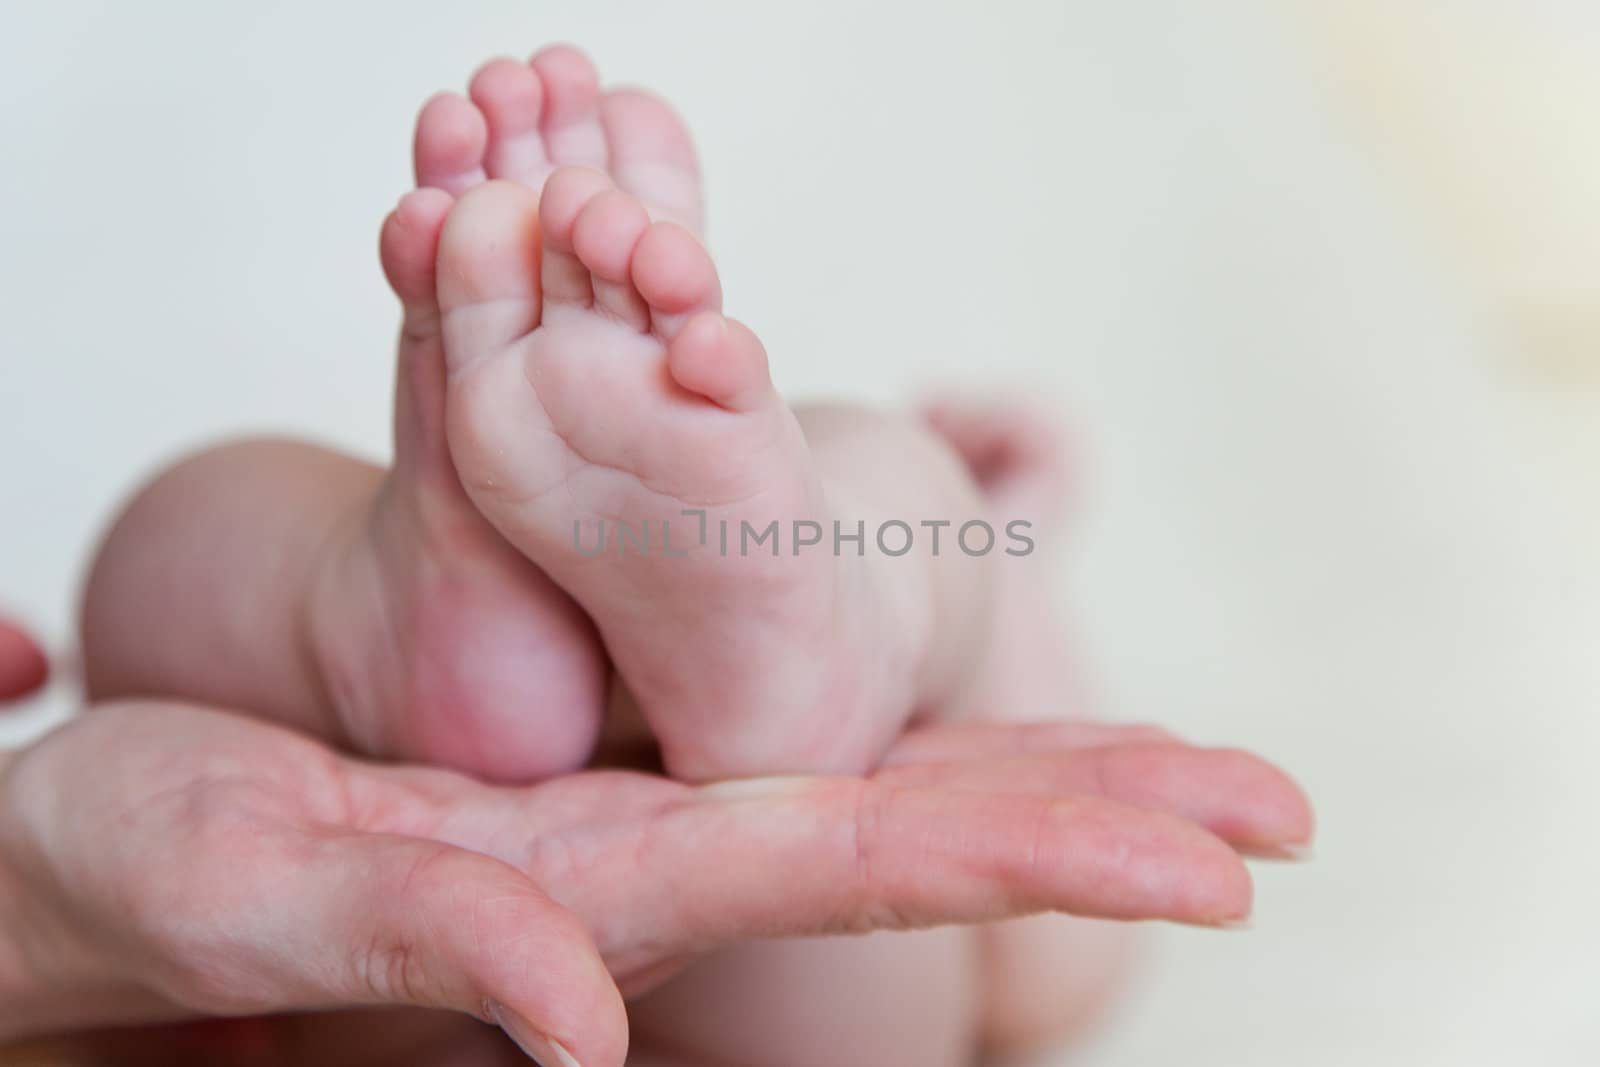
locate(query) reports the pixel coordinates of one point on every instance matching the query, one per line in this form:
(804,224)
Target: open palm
(187,861)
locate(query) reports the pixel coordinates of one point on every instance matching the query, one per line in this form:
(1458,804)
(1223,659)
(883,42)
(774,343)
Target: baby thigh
(884,998)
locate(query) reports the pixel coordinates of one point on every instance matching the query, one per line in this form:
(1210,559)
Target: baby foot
(520,121)
(442,643)
(477,661)
(596,390)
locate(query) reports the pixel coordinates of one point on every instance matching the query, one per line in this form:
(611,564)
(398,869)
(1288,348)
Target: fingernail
(1280,853)
(545,1051)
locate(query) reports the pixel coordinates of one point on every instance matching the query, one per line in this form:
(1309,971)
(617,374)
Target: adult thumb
(392,920)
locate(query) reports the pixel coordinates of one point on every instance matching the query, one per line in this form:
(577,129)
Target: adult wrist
(20,980)
(51,978)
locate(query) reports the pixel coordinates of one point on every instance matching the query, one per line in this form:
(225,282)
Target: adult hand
(163,861)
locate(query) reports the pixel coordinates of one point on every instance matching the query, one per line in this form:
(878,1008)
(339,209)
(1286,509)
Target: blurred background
(1316,284)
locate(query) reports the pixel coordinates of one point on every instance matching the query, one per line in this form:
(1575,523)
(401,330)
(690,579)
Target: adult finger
(1240,797)
(23,667)
(814,856)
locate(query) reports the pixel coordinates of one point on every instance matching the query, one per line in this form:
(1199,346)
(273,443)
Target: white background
(1329,511)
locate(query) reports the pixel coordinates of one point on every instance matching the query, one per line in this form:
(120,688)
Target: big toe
(488,270)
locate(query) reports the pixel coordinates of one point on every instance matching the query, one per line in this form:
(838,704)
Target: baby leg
(1049,977)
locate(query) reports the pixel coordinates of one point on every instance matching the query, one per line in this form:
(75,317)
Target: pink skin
(120,901)
(23,667)
(592,380)
(1047,978)
(523,120)
(1010,988)
(593,294)
(493,629)
(485,629)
